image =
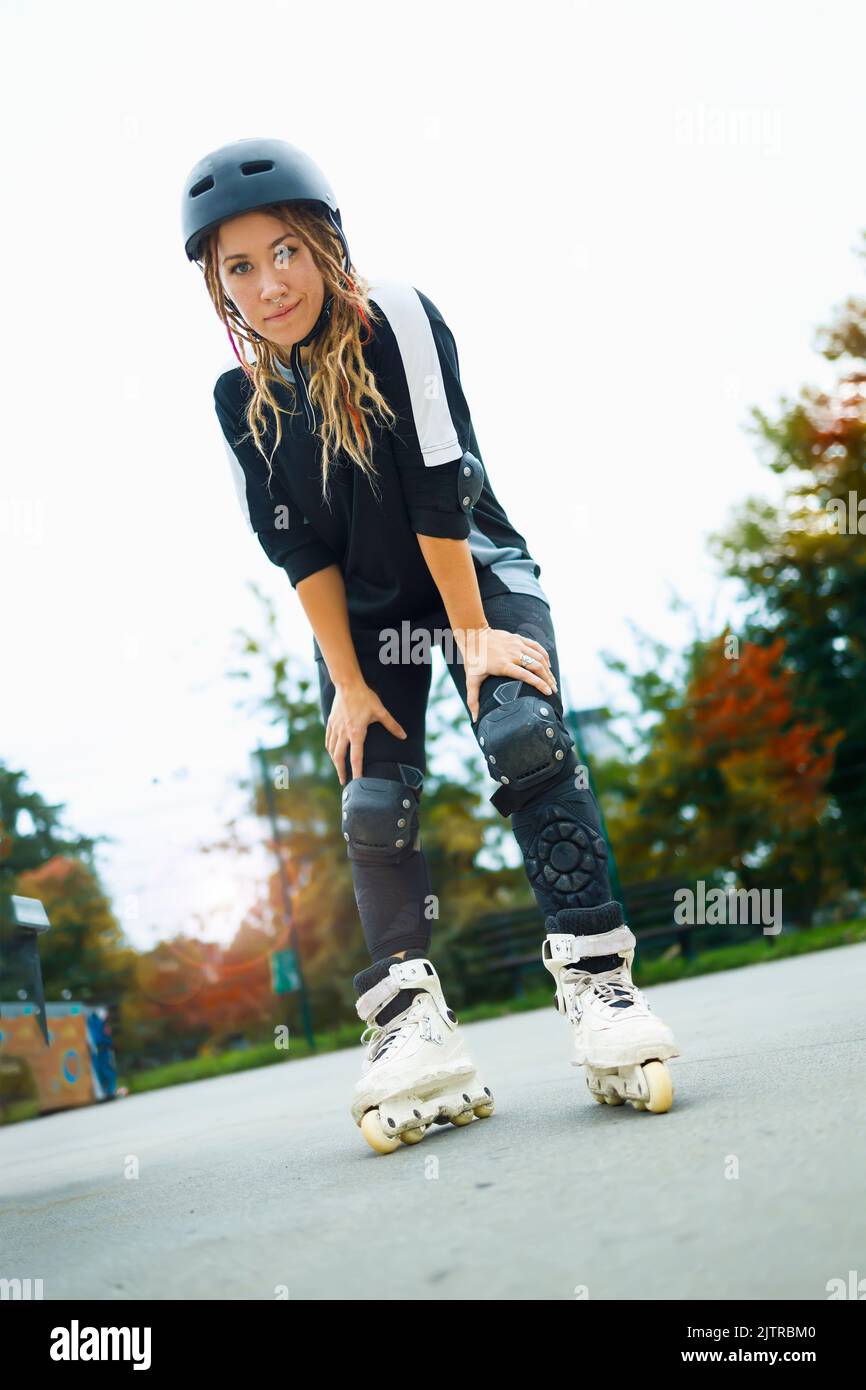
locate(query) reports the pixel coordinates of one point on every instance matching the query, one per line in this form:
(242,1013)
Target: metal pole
(286,897)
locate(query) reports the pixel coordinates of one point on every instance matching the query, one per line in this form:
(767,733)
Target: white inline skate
(621,1043)
(416,1071)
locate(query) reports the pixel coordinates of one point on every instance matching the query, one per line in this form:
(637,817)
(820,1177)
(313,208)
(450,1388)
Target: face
(260,263)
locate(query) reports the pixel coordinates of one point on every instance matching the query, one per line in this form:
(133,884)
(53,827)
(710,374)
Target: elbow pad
(470,481)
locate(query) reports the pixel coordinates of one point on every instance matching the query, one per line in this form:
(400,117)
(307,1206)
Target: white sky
(633,218)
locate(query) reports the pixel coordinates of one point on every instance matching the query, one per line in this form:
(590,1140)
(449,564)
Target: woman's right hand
(355,707)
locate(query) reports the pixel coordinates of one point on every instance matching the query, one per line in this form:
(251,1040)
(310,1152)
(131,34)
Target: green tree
(84,952)
(729,779)
(31,830)
(804,575)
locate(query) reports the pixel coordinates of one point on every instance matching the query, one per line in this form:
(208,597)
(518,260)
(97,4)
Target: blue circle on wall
(71,1068)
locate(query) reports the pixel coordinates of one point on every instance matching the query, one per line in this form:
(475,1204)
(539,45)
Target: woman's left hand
(491,651)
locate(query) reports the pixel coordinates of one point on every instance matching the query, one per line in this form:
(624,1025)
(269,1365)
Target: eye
(282,256)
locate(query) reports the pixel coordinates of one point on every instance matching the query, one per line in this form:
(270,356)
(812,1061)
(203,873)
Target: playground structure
(58,1055)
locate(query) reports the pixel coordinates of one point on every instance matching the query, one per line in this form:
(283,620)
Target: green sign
(284,972)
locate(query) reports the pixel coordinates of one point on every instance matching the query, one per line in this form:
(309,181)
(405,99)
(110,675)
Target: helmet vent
(258,166)
(202,187)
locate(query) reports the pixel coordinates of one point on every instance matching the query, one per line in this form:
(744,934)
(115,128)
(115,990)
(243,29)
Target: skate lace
(611,986)
(382,1036)
(615,988)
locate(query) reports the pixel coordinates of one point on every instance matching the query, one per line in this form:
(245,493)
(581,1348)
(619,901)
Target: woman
(373,498)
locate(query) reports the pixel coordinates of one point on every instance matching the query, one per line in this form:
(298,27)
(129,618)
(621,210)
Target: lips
(284,313)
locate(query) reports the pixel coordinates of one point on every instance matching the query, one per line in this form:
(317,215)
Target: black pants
(392,898)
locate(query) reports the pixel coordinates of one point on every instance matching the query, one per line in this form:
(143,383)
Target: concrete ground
(247,1186)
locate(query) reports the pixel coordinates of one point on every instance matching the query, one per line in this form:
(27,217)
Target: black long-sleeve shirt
(419,470)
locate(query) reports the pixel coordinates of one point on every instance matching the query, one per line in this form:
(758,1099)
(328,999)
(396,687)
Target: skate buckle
(428,1032)
(409,972)
(560,946)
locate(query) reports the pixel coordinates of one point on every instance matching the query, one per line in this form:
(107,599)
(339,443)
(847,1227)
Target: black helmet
(251,174)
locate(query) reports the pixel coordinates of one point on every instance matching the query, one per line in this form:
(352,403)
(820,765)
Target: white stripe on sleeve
(411,327)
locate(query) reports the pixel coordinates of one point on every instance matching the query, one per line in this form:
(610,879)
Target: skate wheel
(605,1096)
(482,1111)
(374,1133)
(464,1118)
(661,1091)
(413,1136)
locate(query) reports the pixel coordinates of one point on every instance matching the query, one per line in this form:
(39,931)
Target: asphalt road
(259,1184)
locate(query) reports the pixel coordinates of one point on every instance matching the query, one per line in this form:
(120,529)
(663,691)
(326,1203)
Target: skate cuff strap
(371,1002)
(566,947)
(403,974)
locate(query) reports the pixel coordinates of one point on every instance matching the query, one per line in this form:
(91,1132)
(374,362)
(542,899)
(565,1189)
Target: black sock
(595,964)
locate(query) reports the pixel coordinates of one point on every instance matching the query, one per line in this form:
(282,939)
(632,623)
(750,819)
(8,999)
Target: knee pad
(564,852)
(380,814)
(524,741)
